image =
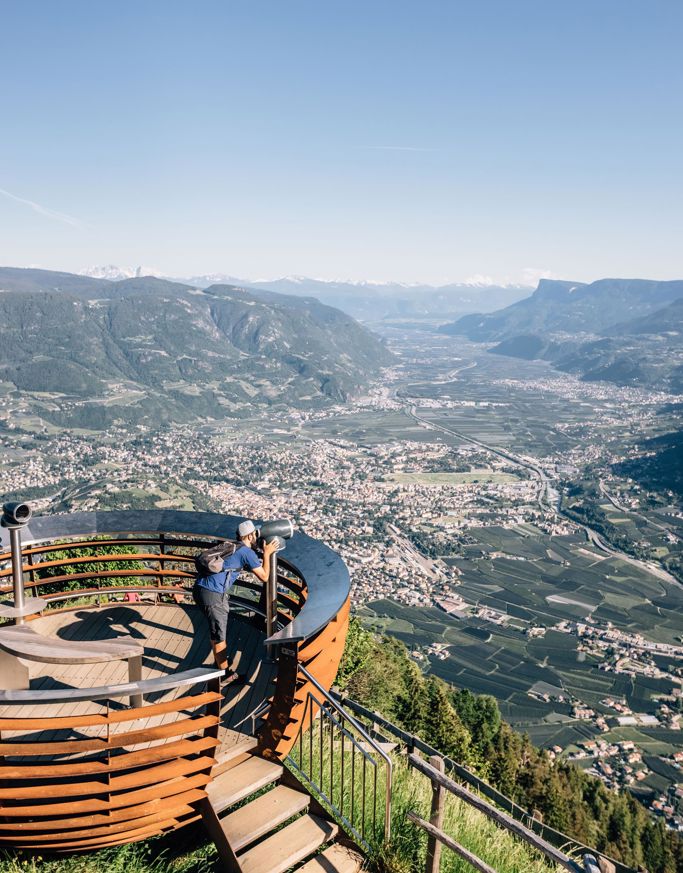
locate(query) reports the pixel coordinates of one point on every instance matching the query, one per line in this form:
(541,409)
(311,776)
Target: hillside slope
(626,331)
(143,350)
(377,672)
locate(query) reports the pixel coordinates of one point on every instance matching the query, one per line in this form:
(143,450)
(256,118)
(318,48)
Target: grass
(186,851)
(473,830)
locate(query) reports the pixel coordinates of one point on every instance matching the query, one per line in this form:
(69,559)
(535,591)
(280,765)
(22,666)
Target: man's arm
(263,572)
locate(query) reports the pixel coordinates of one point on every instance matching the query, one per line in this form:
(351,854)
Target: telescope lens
(16,513)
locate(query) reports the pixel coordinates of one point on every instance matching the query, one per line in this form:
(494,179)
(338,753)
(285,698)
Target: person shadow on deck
(117,621)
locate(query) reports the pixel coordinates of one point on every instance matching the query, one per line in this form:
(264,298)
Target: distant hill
(666,322)
(367,301)
(626,331)
(20,279)
(570,307)
(145,350)
(660,467)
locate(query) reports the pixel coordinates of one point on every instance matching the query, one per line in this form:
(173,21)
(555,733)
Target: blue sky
(412,141)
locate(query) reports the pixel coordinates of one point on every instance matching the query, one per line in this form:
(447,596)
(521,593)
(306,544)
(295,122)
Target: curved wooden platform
(174,638)
(80,770)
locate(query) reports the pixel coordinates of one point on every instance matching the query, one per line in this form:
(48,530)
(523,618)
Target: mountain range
(626,331)
(94,352)
(367,301)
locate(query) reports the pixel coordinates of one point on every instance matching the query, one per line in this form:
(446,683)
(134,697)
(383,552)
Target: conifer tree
(442,727)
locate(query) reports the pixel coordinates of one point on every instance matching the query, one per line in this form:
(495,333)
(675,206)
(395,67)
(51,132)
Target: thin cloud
(43,210)
(397,148)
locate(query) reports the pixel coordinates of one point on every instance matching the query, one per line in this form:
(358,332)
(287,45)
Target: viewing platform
(114,726)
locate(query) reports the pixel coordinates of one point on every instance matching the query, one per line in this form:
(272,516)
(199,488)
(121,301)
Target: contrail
(43,210)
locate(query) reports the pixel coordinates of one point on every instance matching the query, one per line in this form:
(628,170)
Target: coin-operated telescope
(278,530)
(14,517)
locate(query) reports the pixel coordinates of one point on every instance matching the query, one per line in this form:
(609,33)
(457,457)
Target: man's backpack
(210,561)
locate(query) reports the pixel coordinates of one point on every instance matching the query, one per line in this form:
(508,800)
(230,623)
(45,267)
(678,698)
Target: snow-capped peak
(116,274)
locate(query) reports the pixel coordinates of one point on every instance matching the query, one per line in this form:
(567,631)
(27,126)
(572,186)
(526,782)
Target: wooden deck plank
(245,700)
(175,638)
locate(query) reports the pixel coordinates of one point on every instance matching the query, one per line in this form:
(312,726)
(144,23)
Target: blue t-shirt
(243,558)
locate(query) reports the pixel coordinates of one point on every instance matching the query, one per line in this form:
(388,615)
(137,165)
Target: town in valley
(448,489)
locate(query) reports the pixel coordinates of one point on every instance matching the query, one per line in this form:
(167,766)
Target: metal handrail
(144,687)
(344,716)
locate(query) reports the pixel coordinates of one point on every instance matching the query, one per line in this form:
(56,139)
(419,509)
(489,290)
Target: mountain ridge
(367,299)
(145,349)
(626,331)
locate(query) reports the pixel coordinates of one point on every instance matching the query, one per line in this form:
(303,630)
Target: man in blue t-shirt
(211,592)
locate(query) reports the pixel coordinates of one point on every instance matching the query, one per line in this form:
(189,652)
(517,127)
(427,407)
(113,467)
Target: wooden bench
(19,643)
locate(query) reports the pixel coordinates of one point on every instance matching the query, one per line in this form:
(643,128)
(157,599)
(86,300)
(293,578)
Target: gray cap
(246,528)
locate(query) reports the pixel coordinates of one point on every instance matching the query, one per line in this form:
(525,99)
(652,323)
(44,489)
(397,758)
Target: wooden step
(263,815)
(233,755)
(241,781)
(223,767)
(247,744)
(289,846)
(336,859)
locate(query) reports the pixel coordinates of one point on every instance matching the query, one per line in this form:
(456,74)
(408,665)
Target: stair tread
(241,781)
(335,859)
(248,744)
(263,815)
(288,846)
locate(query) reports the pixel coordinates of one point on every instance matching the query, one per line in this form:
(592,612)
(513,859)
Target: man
(211,592)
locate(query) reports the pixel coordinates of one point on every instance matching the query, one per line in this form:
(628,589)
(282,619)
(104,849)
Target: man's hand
(269,548)
(263,571)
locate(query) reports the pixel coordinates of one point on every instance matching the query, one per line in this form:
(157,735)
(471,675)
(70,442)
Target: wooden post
(436,818)
(162,564)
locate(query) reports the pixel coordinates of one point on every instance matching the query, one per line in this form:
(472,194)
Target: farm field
(479,476)
(371,428)
(540,580)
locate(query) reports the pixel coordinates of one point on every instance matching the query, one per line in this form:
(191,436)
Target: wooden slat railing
(106,778)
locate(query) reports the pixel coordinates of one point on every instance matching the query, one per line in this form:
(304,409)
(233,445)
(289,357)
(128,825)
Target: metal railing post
(17,572)
(271,598)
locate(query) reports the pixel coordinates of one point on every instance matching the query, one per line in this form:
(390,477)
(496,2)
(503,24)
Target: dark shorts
(215,608)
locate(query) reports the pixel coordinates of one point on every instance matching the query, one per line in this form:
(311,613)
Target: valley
(461,491)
